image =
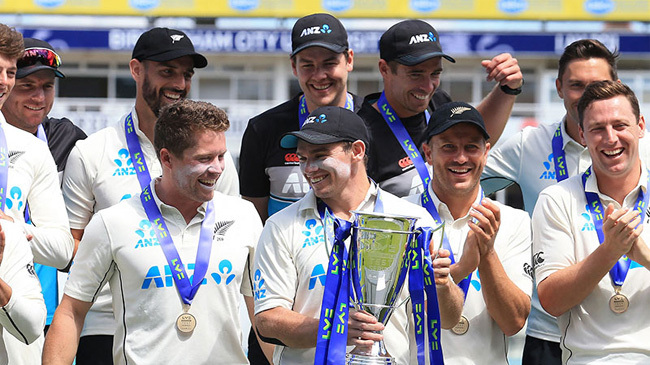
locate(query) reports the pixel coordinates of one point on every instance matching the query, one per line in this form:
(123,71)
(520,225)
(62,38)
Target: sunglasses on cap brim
(44,56)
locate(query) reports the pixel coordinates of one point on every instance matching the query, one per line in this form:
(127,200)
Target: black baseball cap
(164,44)
(319,30)
(410,42)
(450,114)
(39,55)
(328,124)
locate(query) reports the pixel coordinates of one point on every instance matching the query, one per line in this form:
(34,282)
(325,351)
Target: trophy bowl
(379,264)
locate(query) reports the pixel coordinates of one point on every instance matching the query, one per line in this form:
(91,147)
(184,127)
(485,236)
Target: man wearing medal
(321,60)
(411,67)
(294,249)
(588,233)
(538,157)
(269,176)
(119,161)
(177,257)
(489,258)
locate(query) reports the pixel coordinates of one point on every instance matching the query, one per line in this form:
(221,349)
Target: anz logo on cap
(325,29)
(319,119)
(419,38)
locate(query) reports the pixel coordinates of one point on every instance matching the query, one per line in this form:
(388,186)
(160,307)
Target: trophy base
(356,359)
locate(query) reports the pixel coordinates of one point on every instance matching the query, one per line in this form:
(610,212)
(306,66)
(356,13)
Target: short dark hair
(178,123)
(603,90)
(584,49)
(11,42)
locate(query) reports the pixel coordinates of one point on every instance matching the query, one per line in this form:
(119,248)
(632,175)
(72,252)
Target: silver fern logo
(176,38)
(220,229)
(458,110)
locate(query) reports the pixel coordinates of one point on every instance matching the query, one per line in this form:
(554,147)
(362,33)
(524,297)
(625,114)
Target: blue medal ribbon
(421,280)
(595,206)
(303,111)
(136,154)
(186,288)
(404,139)
(4,168)
(559,157)
(333,321)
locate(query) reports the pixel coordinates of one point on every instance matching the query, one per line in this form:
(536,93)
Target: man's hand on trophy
(363,328)
(441,263)
(485,222)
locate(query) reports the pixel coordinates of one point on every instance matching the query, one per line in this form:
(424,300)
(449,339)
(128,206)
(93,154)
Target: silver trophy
(379,264)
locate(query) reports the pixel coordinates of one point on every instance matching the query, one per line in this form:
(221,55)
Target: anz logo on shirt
(258,285)
(318,274)
(15,198)
(548,174)
(147,235)
(124,164)
(154,279)
(588,224)
(313,233)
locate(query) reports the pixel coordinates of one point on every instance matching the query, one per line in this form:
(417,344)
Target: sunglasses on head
(45,56)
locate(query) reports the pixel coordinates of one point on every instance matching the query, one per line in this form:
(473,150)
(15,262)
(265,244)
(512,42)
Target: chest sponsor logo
(587,222)
(313,233)
(295,183)
(291,159)
(15,198)
(318,275)
(405,163)
(157,278)
(147,235)
(549,169)
(123,163)
(258,285)
(416,185)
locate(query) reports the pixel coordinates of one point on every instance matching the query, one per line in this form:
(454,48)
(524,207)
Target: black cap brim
(290,140)
(26,71)
(199,60)
(411,60)
(332,47)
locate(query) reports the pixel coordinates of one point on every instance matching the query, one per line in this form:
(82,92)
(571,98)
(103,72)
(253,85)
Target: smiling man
(490,259)
(119,161)
(321,60)
(177,224)
(588,232)
(411,67)
(296,243)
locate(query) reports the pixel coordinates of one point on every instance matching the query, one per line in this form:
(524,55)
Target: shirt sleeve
(77,190)
(254,228)
(253,181)
(503,165)
(52,243)
(517,258)
(24,315)
(553,244)
(93,265)
(275,274)
(228,182)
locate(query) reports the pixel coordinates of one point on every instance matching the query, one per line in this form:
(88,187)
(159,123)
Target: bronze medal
(619,303)
(461,327)
(186,323)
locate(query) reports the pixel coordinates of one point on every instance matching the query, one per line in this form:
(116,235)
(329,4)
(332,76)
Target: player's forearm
(495,110)
(62,338)
(568,287)
(291,328)
(51,246)
(506,303)
(450,302)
